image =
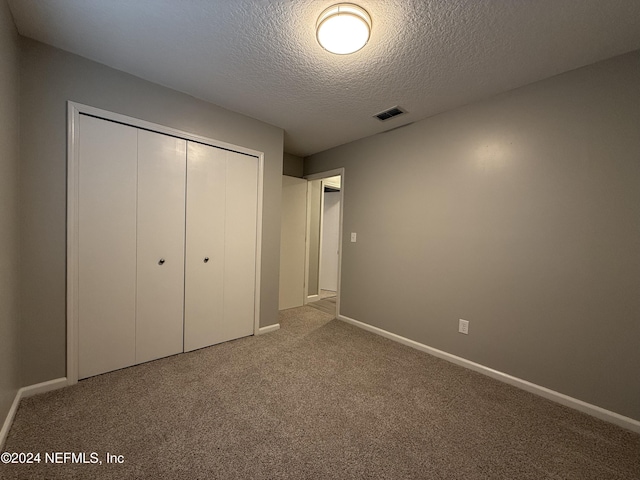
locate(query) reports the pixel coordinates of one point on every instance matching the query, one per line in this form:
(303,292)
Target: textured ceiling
(261,58)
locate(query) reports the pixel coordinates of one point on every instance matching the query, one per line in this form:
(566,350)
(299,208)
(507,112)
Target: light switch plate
(353,237)
(463,326)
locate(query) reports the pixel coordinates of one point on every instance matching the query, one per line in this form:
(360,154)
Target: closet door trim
(74,110)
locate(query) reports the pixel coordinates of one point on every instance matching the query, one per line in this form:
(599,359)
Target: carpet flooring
(317,399)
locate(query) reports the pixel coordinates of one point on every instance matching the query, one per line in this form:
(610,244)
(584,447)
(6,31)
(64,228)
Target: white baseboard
(43,387)
(25,392)
(312,298)
(268,329)
(593,410)
(9,420)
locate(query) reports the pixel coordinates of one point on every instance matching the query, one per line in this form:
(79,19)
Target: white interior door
(292,242)
(106,246)
(330,241)
(160,245)
(204,270)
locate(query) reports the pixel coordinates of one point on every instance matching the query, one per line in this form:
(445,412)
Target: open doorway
(323,240)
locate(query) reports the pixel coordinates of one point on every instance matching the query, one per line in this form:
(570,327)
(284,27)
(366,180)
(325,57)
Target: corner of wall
(292,165)
(9,212)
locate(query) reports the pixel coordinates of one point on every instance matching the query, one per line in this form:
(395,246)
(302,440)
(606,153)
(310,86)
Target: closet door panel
(106,246)
(204,280)
(160,245)
(240,245)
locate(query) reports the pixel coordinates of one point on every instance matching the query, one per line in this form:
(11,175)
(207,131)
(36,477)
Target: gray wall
(50,77)
(521,214)
(292,165)
(9,210)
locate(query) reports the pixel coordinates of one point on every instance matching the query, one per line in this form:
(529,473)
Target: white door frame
(319,176)
(73,156)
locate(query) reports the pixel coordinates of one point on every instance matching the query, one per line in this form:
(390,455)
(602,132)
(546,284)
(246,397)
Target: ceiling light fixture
(343,28)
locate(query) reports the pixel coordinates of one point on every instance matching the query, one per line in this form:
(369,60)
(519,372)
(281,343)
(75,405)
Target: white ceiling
(261,58)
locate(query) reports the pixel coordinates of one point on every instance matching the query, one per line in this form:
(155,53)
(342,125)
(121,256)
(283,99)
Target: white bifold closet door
(220,244)
(131,245)
(106,246)
(167,235)
(160,245)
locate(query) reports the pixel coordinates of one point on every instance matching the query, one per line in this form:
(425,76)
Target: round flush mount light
(343,28)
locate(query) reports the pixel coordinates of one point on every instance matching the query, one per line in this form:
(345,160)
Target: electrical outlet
(353,237)
(463,326)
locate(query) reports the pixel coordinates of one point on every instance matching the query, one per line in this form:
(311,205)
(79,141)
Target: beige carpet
(318,399)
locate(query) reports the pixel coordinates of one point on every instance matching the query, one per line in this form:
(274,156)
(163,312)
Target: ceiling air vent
(390,113)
